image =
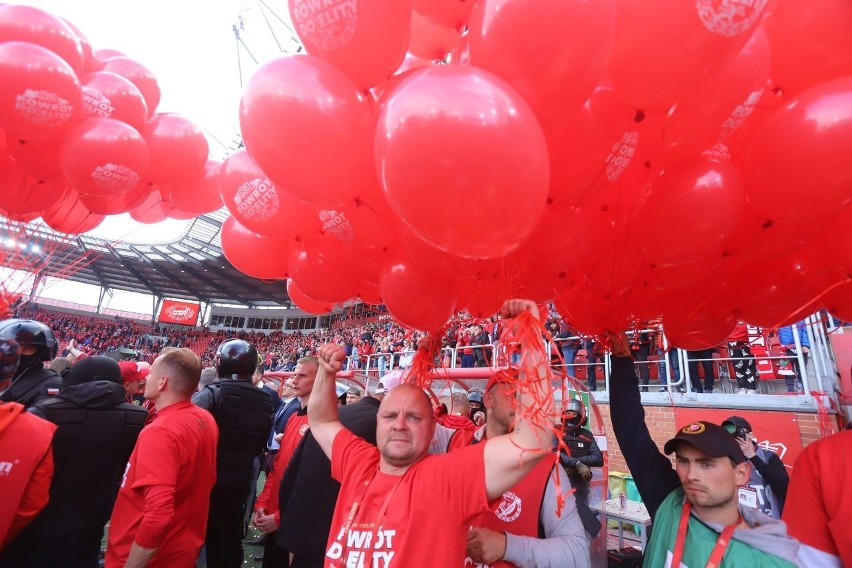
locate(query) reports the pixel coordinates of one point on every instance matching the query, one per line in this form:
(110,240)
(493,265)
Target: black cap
(710,438)
(90,369)
(738,422)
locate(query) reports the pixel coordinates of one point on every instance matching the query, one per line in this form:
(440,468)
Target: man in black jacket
(584,455)
(308,493)
(32,381)
(243,414)
(96,433)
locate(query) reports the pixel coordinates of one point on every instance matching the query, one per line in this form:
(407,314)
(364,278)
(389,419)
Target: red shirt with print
(416,519)
(175,453)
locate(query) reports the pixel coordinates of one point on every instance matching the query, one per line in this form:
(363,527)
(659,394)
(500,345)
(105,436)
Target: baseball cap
(738,422)
(710,438)
(389,381)
(503,376)
(129,371)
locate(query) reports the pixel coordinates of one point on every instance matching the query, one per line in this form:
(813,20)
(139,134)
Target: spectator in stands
(481,353)
(594,355)
(745,366)
(697,501)
(96,432)
(641,346)
(243,414)
(583,454)
(401,474)
(131,378)
(25,441)
(32,381)
(568,344)
(769,477)
(790,368)
(525,528)
(161,511)
(819,504)
(705,357)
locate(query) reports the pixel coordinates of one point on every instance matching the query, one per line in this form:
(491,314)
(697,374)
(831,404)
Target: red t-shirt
(294,431)
(178,450)
(417,519)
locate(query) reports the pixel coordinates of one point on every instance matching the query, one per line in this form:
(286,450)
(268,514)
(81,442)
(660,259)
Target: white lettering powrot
(336,224)
(729,17)
(329,24)
(115,178)
(621,154)
(96,104)
(718,152)
(741,113)
(363,548)
(43,108)
(257,200)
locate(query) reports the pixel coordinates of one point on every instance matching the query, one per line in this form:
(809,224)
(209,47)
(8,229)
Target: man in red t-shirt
(160,515)
(397,505)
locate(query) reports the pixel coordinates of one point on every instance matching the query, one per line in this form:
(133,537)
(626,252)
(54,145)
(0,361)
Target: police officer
(96,432)
(243,413)
(32,382)
(584,455)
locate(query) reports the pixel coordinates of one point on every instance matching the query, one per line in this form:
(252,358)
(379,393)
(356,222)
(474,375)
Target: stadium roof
(191,267)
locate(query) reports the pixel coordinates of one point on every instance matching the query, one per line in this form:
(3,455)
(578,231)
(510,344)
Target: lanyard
(357,504)
(718,550)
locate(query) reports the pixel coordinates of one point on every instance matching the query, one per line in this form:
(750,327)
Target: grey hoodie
(764,533)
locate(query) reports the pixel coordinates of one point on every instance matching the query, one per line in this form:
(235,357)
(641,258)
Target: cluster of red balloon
(80,135)
(627,160)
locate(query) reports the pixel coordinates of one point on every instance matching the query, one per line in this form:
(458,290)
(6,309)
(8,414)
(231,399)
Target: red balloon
(366,39)
(201,194)
(838,301)
(178,148)
(107,95)
(103,157)
(305,302)
(253,200)
(663,47)
(431,41)
(136,73)
(429,172)
(252,254)
(700,329)
(309,129)
(153,209)
(323,274)
(758,238)
(829,247)
(452,14)
(29,24)
(20,195)
(90,60)
(40,96)
(38,159)
(690,208)
(552,51)
(117,203)
(802,149)
(810,41)
(70,216)
(417,298)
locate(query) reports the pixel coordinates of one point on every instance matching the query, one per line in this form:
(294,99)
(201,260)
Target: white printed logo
(718,152)
(115,178)
(509,508)
(257,200)
(43,108)
(336,224)
(6,468)
(740,114)
(330,24)
(729,17)
(363,548)
(181,313)
(621,154)
(96,104)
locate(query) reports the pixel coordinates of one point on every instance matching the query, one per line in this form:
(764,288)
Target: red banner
(774,431)
(183,313)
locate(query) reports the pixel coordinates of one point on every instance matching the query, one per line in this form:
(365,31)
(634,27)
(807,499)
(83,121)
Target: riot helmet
(10,354)
(236,359)
(574,414)
(30,333)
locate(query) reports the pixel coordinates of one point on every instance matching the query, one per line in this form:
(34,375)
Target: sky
(192,50)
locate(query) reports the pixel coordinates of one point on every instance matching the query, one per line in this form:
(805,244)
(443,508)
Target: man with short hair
(697,518)
(386,511)
(524,528)
(160,515)
(353,395)
(769,477)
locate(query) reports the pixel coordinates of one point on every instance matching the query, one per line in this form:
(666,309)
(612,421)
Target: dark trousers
(642,354)
(591,371)
(273,555)
(224,539)
(709,372)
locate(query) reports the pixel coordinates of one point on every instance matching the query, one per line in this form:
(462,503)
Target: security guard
(32,382)
(584,455)
(243,413)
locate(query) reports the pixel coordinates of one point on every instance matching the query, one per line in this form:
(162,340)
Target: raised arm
(322,410)
(509,457)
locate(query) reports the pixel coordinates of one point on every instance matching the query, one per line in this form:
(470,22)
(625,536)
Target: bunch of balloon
(82,137)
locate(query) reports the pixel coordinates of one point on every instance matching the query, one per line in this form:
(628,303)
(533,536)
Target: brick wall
(661,424)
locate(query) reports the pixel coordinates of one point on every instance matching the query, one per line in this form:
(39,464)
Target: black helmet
(31,332)
(236,359)
(10,355)
(88,369)
(574,405)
